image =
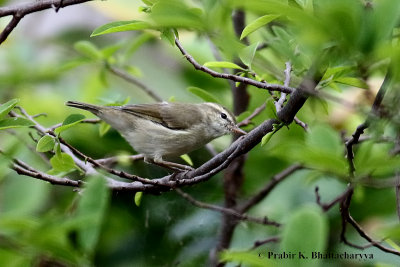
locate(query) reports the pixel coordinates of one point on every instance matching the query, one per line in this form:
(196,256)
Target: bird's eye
(223,115)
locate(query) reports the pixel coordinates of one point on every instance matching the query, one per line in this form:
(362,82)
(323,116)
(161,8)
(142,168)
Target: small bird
(166,129)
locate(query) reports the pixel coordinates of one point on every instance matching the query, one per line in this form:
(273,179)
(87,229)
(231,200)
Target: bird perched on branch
(166,129)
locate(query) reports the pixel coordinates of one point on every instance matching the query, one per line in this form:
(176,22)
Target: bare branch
(374,243)
(109,170)
(129,78)
(10,27)
(116,159)
(259,243)
(20,10)
(328,206)
(236,78)
(282,99)
(232,212)
(275,180)
(360,129)
(89,121)
(24,169)
(301,123)
(346,217)
(247,120)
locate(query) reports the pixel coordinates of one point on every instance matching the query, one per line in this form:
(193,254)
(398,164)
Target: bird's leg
(169,165)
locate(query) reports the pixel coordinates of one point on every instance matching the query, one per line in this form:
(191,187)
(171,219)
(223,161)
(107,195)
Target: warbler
(166,129)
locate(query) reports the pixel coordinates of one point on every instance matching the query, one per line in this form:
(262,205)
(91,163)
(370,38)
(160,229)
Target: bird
(166,129)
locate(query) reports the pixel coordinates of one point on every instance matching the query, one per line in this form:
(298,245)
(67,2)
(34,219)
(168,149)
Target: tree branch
(275,180)
(24,169)
(116,159)
(129,78)
(19,11)
(282,99)
(228,211)
(247,120)
(259,243)
(328,206)
(236,78)
(361,128)
(346,217)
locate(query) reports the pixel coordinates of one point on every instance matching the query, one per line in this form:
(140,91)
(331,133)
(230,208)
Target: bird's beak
(237,130)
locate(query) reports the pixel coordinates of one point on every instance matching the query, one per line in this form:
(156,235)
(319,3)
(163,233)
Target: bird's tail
(89,107)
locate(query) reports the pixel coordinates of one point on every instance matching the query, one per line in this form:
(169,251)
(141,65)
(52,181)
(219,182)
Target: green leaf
(104,128)
(93,204)
(121,26)
(337,71)
(138,198)
(203,94)
(258,23)
(310,222)
(177,14)
(7,107)
(269,135)
(222,64)
(134,71)
(73,63)
(58,149)
(46,143)
(118,102)
(168,34)
(88,49)
(247,54)
(352,82)
(187,159)
(306,4)
(70,121)
(62,163)
(15,123)
(266,138)
(108,51)
(149,2)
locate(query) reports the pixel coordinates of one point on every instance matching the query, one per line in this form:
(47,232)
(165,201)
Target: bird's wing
(170,115)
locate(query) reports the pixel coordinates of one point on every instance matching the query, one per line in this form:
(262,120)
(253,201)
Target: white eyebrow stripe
(222,109)
(215,106)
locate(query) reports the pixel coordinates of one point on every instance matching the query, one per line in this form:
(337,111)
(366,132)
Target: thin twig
(24,169)
(259,243)
(129,78)
(301,123)
(372,242)
(236,78)
(349,146)
(232,212)
(376,106)
(121,174)
(328,206)
(275,180)
(116,159)
(88,121)
(282,99)
(10,27)
(346,217)
(20,10)
(247,120)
